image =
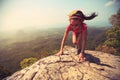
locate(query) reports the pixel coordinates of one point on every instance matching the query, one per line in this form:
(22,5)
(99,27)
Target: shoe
(78,51)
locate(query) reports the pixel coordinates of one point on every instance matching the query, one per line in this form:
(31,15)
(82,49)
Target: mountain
(98,66)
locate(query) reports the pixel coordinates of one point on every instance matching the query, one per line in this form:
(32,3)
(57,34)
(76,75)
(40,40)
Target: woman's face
(75,21)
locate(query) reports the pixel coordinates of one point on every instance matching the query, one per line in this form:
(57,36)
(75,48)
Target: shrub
(27,62)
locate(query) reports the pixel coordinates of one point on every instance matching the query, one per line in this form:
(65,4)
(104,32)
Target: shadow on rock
(92,59)
(95,60)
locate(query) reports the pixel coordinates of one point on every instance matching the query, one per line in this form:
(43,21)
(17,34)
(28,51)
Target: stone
(98,66)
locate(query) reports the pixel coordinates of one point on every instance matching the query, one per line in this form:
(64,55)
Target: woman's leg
(79,37)
(79,43)
(74,38)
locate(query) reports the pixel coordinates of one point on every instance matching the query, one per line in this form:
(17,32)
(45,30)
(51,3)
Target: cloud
(118,2)
(110,3)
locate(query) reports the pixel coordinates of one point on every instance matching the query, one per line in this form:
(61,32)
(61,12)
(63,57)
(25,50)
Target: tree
(113,37)
(27,62)
(115,19)
(112,41)
(113,34)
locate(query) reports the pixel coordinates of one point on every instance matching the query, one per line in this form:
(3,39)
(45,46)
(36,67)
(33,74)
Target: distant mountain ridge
(99,66)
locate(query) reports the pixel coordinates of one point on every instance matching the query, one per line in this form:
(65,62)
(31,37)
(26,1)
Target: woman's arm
(84,38)
(63,41)
(81,56)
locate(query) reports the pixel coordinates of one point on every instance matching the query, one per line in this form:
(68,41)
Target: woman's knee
(74,42)
(74,39)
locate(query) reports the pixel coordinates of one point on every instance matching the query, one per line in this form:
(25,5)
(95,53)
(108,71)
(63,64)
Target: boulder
(98,66)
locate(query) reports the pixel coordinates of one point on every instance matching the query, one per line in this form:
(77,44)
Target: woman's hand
(81,57)
(60,53)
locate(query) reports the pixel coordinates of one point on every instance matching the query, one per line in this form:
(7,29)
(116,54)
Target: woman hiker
(79,31)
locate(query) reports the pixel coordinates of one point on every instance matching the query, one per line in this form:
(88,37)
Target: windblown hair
(81,15)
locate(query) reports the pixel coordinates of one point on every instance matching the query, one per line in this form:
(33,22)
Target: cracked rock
(98,66)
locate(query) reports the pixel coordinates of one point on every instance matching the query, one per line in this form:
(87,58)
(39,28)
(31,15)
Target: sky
(21,14)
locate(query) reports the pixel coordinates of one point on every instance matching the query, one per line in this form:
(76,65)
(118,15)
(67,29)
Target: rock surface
(99,66)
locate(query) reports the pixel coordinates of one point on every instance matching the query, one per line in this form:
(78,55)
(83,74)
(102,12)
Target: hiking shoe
(78,51)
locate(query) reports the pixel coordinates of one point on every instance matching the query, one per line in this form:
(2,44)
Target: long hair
(81,15)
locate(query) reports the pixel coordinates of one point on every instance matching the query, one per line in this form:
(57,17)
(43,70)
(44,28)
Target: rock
(99,66)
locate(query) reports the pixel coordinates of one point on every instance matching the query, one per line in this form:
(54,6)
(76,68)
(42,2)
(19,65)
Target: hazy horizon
(18,15)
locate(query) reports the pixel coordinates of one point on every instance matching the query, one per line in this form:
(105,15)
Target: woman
(79,30)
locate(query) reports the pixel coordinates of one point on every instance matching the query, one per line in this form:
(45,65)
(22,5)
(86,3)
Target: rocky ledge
(99,66)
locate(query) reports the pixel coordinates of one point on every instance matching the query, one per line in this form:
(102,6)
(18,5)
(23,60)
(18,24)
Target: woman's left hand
(81,57)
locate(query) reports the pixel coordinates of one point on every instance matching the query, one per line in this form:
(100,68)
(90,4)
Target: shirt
(77,29)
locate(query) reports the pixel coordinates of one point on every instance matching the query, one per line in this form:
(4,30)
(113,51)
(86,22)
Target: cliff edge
(99,66)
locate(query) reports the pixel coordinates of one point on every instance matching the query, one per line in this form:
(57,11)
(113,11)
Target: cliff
(99,66)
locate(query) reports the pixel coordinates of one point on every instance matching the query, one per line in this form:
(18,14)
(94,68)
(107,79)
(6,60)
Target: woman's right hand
(60,53)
